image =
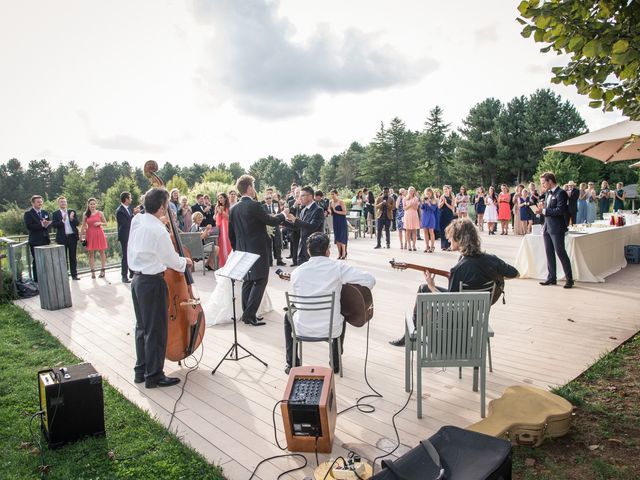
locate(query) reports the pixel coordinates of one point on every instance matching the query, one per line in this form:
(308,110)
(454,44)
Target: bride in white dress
(218,309)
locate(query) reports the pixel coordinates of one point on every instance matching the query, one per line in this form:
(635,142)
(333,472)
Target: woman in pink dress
(504,209)
(222,221)
(411,219)
(93,236)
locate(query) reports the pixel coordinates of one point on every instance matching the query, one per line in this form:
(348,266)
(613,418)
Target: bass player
(321,276)
(474,268)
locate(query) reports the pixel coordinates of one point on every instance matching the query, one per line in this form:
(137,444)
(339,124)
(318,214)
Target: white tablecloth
(594,255)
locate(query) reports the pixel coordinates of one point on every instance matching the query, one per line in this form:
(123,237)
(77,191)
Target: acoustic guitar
(356,302)
(497,292)
(525,416)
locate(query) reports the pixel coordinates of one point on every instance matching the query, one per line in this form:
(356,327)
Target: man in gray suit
(247,232)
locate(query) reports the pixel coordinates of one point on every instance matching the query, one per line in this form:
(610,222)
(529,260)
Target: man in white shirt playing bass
(321,276)
(150,252)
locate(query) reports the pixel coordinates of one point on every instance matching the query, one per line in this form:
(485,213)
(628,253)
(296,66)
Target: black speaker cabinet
(72,401)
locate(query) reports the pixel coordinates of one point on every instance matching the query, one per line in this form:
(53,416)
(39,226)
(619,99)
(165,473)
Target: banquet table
(595,253)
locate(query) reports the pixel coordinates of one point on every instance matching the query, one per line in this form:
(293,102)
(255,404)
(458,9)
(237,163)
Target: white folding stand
(236,268)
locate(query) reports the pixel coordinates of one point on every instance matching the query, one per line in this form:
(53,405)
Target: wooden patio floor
(544,336)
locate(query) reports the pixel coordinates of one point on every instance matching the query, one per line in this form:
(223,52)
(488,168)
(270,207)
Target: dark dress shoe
(280,263)
(138,378)
(294,264)
(397,343)
(287,369)
(378,246)
(163,381)
(254,322)
(125,280)
(75,278)
(548,282)
(288,256)
(569,284)
(259,318)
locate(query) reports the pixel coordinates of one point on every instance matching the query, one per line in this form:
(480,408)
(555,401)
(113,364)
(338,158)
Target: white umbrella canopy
(635,165)
(614,143)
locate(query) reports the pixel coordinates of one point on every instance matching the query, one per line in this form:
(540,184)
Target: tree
(79,187)
(236,170)
(434,149)
(477,150)
(314,167)
(348,165)
(602,38)
(299,164)
(377,167)
(37,178)
(561,164)
(168,171)
(178,182)
(271,172)
(217,175)
(108,174)
(512,140)
(112,195)
(12,183)
(329,173)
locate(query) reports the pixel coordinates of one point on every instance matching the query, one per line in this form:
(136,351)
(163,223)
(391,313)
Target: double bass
(186,318)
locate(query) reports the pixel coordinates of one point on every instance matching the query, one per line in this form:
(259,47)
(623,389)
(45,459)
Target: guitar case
(525,416)
(461,455)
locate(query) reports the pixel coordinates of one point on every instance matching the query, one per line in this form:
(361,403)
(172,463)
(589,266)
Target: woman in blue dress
(429,208)
(524,203)
(582,204)
(340,229)
(619,197)
(604,199)
(591,203)
(400,218)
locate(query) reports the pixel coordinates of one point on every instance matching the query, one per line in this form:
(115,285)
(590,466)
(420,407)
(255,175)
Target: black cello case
(464,455)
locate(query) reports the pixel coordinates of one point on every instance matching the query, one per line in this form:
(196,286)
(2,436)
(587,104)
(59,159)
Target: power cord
(36,440)
(365,407)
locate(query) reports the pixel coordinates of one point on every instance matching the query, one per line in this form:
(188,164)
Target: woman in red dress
(94,236)
(222,221)
(504,209)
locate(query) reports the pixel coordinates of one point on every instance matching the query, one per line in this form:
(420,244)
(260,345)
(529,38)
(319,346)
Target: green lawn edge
(139,445)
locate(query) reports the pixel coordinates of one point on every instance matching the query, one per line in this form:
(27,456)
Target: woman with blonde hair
(411,220)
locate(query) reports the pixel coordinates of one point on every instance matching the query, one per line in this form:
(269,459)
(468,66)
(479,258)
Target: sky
(213,81)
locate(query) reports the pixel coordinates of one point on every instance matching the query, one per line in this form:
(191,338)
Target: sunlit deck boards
(545,336)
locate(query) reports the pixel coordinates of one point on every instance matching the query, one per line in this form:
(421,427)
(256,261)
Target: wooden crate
(53,281)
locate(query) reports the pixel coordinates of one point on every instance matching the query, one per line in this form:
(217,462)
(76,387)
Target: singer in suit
(37,222)
(124,214)
(309,220)
(66,222)
(247,233)
(555,208)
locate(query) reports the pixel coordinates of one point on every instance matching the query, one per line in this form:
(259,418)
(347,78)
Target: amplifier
(309,409)
(72,402)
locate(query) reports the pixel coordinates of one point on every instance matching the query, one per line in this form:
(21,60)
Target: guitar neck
(422,268)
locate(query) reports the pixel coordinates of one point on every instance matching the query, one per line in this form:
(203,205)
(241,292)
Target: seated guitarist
(474,268)
(321,276)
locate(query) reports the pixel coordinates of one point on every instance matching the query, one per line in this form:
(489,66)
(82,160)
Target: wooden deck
(544,336)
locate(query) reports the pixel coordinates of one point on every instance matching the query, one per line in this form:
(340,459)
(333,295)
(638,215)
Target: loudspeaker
(72,401)
(309,409)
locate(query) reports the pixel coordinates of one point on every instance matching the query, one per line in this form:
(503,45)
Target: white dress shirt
(67,223)
(322,276)
(150,250)
(548,199)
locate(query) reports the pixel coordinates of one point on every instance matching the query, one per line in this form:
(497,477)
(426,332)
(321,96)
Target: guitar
(356,302)
(497,292)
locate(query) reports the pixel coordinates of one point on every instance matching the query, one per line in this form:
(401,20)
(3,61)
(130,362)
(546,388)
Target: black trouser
(554,245)
(252,292)
(70,249)
(124,265)
(149,293)
(33,257)
(294,242)
(383,222)
(276,244)
(424,288)
(288,341)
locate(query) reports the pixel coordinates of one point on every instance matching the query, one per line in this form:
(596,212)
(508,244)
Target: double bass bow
(186,317)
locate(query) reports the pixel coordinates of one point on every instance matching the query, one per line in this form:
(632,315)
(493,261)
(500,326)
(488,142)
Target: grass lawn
(135,445)
(604,440)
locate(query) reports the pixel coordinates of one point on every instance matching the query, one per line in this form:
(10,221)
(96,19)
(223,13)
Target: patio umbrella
(614,143)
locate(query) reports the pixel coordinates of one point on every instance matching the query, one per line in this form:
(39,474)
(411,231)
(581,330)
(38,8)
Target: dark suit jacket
(557,212)
(247,233)
(37,234)
(57,222)
(573,201)
(312,221)
(124,222)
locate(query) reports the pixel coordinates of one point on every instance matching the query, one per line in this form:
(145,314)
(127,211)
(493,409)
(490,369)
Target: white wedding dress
(218,309)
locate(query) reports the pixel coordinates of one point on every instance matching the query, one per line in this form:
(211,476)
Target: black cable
(393,420)
(299,455)
(365,407)
(36,440)
(273,416)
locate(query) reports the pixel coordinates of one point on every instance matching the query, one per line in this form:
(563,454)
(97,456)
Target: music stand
(236,268)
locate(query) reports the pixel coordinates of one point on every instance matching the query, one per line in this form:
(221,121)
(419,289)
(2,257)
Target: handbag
(84,242)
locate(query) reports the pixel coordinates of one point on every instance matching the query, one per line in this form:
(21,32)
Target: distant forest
(496,143)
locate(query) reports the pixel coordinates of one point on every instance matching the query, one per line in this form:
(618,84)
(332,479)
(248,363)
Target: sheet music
(238,265)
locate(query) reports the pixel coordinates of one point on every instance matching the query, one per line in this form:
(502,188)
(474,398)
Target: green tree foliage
(563,165)
(12,219)
(348,165)
(12,183)
(477,150)
(271,171)
(603,40)
(434,148)
(209,188)
(314,167)
(511,134)
(178,182)
(112,195)
(79,187)
(299,164)
(38,177)
(218,175)
(236,170)
(329,173)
